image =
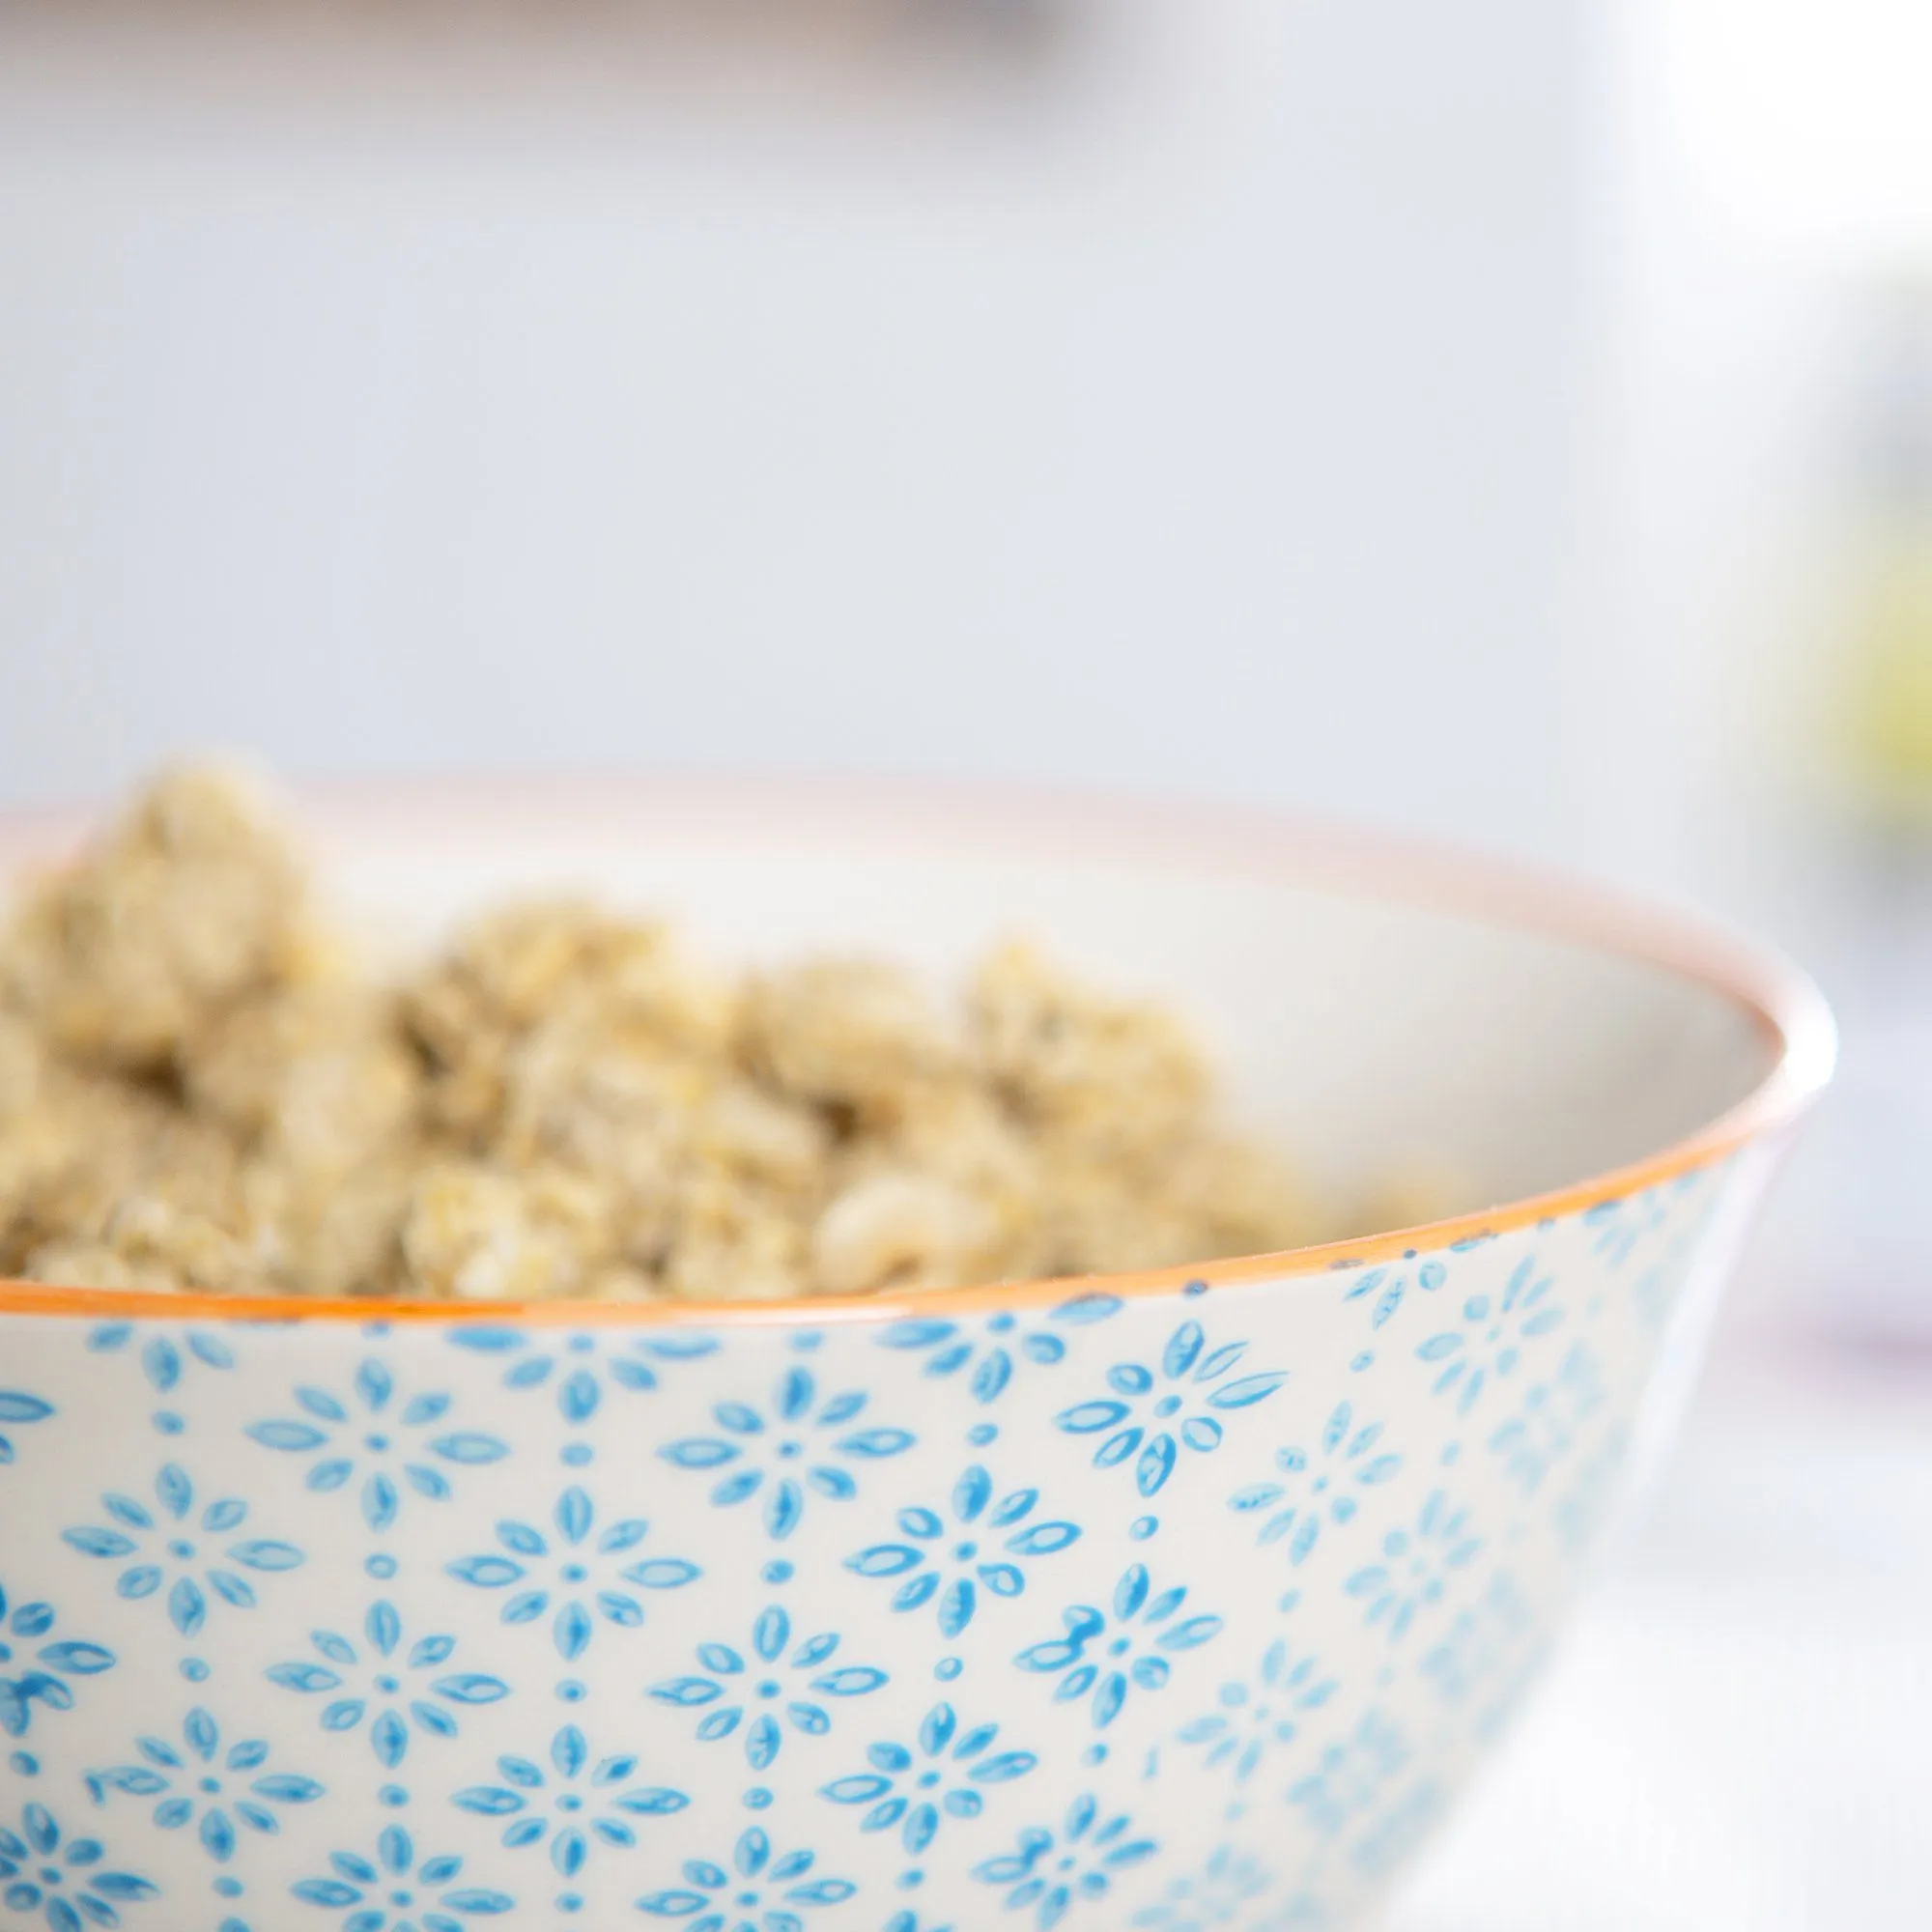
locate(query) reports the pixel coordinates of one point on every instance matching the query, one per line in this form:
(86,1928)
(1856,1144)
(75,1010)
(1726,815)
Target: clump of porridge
(202,1087)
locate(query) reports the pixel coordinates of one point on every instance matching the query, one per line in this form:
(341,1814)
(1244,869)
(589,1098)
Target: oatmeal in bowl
(202,1086)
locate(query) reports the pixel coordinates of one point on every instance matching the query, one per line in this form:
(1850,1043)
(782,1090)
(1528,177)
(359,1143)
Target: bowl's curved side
(1200,1604)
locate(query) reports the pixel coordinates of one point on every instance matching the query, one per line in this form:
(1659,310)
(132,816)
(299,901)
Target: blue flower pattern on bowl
(778,1687)
(197,1784)
(164,1360)
(580,1369)
(1319,1488)
(761,1893)
(760,1450)
(45,1663)
(1382,1291)
(1131,1643)
(1218,1895)
(1253,1721)
(1416,1565)
(395,1891)
(1494,1328)
(170,1549)
(987,1355)
(1351,1775)
(943,1774)
(396,1687)
(58,1879)
(1052,1869)
(588,1580)
(1175,1405)
(330,1430)
(579,1802)
(978,1551)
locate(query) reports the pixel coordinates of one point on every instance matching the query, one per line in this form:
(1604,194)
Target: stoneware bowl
(1174,1600)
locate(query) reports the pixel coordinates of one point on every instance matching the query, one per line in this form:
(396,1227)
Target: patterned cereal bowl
(1173,1601)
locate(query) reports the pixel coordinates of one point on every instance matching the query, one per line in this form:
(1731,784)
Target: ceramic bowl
(1173,1601)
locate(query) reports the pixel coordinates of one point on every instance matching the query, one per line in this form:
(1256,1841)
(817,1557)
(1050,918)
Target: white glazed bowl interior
(1370,1004)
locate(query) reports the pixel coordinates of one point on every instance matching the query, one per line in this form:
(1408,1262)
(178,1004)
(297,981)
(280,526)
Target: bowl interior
(1373,1009)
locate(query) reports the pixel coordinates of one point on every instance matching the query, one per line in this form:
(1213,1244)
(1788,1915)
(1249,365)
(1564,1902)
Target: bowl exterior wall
(1173,1611)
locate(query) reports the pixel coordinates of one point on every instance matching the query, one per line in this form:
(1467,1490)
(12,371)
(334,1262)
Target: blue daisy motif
(1417,1566)
(757,1894)
(1351,1775)
(1255,1720)
(47,1660)
(164,1360)
(168,1549)
(1154,1413)
(585,1577)
(1131,1644)
(1049,1872)
(59,1881)
(1383,1290)
(1489,1345)
(985,1355)
(572,1807)
(17,1406)
(1316,1487)
(760,1449)
(933,1553)
(387,1684)
(580,1369)
(371,1431)
(777,1687)
(1530,1443)
(1483,1642)
(396,1892)
(1616,1227)
(943,1773)
(213,1790)
(1221,1893)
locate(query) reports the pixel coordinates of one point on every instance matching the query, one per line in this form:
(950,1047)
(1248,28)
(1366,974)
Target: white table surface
(1738,1737)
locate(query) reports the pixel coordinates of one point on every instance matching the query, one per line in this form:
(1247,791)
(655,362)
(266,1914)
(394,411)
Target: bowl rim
(1226,838)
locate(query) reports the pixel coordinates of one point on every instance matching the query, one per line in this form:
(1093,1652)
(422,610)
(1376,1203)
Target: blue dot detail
(572,1691)
(25,1764)
(229,1888)
(393,1796)
(380,1567)
(780,1572)
(1193,1287)
(1143,1526)
(757,1799)
(947,1668)
(1094,1754)
(1289,1601)
(981,1433)
(168,1422)
(577,1454)
(1363,1360)
(194,1669)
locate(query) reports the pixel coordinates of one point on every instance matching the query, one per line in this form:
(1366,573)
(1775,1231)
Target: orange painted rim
(1227,839)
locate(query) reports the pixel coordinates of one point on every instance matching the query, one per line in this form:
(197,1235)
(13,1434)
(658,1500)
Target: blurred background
(1507,417)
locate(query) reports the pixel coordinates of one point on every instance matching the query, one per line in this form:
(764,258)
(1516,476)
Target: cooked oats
(200,1088)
